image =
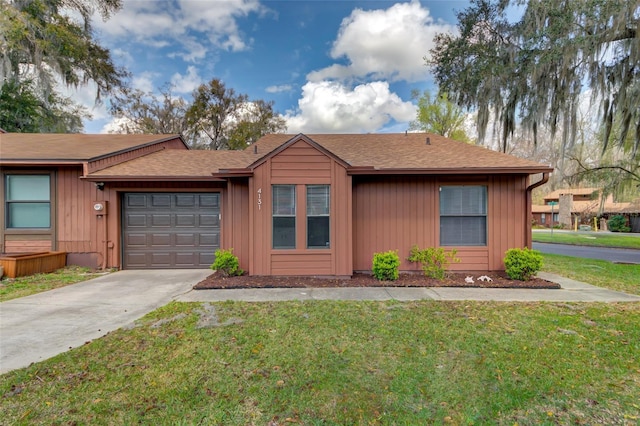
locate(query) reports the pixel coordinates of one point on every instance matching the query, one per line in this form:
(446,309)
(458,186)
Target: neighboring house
(563,206)
(288,205)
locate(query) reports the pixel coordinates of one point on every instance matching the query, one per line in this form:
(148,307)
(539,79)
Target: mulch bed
(499,280)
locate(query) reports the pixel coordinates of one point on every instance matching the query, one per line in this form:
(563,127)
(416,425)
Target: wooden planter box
(19,265)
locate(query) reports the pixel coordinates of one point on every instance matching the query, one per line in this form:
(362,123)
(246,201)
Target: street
(603,253)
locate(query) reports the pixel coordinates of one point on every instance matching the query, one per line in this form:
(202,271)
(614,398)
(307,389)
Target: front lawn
(328,362)
(12,288)
(601,273)
(605,239)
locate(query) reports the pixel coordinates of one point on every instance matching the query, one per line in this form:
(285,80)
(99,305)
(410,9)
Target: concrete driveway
(40,326)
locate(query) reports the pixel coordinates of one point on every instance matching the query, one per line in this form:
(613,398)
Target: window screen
(28,201)
(284,216)
(463,216)
(318,203)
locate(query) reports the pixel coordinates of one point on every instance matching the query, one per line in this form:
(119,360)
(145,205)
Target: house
(288,205)
(564,206)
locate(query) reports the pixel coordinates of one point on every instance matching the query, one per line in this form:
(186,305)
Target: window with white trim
(463,215)
(284,216)
(318,203)
(27,201)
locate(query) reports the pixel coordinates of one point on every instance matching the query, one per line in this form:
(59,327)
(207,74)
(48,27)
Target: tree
(440,116)
(147,113)
(540,66)
(219,118)
(256,119)
(41,45)
(22,111)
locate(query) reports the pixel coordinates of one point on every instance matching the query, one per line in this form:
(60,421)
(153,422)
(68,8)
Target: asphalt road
(604,253)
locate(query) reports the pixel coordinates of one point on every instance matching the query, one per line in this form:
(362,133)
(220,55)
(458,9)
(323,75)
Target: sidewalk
(571,291)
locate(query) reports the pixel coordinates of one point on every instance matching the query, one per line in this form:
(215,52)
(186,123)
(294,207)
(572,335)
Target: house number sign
(259,198)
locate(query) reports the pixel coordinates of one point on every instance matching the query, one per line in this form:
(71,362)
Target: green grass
(601,273)
(12,288)
(335,363)
(588,239)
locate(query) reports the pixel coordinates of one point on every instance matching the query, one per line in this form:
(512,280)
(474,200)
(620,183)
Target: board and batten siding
(300,164)
(235,220)
(396,212)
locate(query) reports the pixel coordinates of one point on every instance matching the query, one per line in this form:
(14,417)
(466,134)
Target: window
(28,201)
(284,216)
(543,218)
(318,202)
(463,216)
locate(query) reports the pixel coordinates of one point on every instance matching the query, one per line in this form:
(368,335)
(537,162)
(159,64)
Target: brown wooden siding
(394,213)
(77,227)
(300,164)
(235,220)
(23,245)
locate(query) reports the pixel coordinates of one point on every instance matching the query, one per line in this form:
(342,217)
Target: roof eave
(448,171)
(152,178)
(44,162)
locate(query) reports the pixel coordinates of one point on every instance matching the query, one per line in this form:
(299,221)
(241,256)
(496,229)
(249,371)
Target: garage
(170,230)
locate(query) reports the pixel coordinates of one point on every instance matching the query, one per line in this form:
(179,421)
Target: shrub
(385,265)
(227,263)
(618,223)
(522,264)
(435,261)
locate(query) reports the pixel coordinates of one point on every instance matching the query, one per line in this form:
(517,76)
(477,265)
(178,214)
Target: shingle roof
(69,147)
(179,163)
(574,191)
(405,151)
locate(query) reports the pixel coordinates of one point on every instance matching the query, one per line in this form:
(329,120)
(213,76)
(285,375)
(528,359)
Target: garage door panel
(210,240)
(134,239)
(136,259)
(161,200)
(154,226)
(210,200)
(209,221)
(136,220)
(185,220)
(186,200)
(136,200)
(161,220)
(186,240)
(160,240)
(160,259)
(207,258)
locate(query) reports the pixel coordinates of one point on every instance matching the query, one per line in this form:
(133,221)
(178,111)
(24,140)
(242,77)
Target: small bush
(522,264)
(227,263)
(618,223)
(435,261)
(385,265)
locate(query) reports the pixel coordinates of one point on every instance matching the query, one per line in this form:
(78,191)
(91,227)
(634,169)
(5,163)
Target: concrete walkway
(571,291)
(37,327)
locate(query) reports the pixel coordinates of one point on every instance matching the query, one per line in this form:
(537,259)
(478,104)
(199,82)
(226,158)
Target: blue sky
(329,66)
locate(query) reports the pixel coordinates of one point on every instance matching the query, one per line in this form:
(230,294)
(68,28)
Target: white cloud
(384,44)
(279,89)
(331,107)
(195,26)
(186,83)
(144,81)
